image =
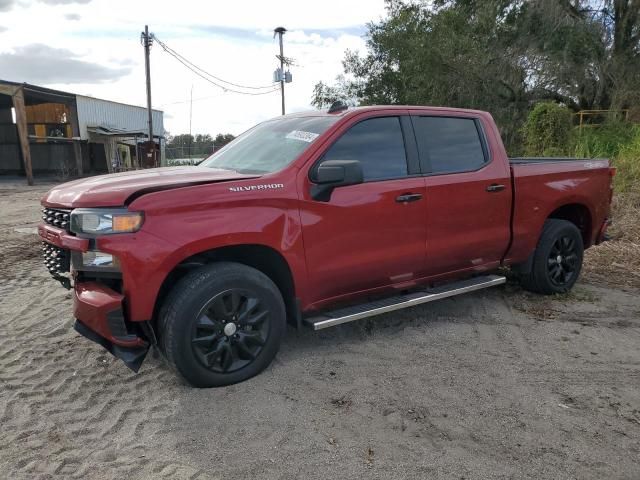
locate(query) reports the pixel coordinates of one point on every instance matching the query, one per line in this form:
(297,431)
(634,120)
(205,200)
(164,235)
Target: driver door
(370,235)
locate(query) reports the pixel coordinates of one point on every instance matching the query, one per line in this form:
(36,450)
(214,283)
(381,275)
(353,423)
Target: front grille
(56,259)
(57,217)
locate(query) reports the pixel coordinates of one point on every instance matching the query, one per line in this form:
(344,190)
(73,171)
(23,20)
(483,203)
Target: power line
(188,101)
(204,74)
(224,87)
(172,51)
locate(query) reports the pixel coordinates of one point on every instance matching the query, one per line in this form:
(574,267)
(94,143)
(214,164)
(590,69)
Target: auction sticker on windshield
(300,135)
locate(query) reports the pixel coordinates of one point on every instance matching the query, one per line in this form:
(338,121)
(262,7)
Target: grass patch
(616,262)
(619,142)
(578,294)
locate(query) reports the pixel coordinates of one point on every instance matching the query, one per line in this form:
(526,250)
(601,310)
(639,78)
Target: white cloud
(6,5)
(63,2)
(38,63)
(233,40)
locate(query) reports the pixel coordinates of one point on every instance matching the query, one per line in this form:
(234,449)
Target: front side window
(270,146)
(377,144)
(450,144)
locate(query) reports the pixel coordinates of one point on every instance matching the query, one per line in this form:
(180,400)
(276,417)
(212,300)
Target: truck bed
(543,185)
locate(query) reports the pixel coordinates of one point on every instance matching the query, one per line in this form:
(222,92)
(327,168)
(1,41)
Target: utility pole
(147,40)
(280,32)
(190,117)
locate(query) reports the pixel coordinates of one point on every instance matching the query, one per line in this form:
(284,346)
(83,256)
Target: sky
(92,47)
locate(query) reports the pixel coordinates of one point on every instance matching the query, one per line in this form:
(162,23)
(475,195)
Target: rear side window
(448,145)
(377,144)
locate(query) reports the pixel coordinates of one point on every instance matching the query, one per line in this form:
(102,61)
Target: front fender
(176,228)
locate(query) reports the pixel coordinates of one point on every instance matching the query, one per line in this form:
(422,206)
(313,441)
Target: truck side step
(349,314)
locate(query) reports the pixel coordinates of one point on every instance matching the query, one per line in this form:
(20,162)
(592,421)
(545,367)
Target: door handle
(408,197)
(494,187)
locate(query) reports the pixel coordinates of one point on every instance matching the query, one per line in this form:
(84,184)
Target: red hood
(114,189)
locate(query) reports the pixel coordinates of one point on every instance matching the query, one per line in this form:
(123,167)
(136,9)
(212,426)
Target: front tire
(557,260)
(223,323)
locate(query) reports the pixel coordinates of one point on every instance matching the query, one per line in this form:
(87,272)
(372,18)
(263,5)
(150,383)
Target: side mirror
(335,173)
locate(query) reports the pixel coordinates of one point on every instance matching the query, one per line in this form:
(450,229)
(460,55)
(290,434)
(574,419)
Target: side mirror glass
(331,174)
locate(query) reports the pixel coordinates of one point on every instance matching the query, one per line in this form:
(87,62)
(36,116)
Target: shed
(51,131)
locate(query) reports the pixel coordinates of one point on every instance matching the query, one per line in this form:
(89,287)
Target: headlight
(103,221)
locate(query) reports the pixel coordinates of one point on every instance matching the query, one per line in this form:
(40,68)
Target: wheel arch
(575,212)
(578,214)
(261,257)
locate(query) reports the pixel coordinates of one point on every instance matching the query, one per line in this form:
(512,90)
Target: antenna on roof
(338,106)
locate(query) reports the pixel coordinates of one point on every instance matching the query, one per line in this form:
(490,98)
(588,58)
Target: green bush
(627,162)
(617,141)
(548,130)
(604,140)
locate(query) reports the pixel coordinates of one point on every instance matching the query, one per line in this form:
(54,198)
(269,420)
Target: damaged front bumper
(98,309)
(100,318)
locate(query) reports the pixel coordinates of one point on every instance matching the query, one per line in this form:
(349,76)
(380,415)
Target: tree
(497,55)
(447,53)
(199,146)
(587,52)
(222,139)
(325,95)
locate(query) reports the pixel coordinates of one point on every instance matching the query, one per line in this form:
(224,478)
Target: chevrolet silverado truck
(315,219)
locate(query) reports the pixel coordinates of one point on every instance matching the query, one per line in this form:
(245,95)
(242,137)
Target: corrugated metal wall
(10,159)
(9,148)
(96,112)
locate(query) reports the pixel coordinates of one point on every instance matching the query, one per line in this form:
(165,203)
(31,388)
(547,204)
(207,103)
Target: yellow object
(41,131)
(124,156)
(127,223)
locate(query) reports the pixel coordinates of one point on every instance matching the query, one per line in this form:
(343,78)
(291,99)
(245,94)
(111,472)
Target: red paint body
(360,242)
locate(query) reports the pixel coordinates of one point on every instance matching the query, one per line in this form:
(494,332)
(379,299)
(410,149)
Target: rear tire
(223,323)
(557,260)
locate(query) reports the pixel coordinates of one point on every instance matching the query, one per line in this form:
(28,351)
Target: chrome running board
(349,314)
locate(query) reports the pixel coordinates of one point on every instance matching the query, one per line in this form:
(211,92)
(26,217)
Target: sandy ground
(498,384)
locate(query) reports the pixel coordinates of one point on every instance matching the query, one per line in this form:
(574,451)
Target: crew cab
(315,219)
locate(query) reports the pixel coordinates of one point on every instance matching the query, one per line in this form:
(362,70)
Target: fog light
(96,258)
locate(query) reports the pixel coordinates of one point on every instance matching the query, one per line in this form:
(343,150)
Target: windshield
(269,146)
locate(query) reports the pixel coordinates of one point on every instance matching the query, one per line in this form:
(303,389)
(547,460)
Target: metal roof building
(51,131)
(95,112)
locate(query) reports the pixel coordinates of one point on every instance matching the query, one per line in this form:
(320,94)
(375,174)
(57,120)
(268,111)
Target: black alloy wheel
(562,261)
(557,260)
(222,323)
(231,331)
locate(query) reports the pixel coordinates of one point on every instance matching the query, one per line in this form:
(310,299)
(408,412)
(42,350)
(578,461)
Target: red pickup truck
(317,219)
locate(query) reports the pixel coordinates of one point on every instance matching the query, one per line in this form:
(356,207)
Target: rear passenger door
(468,203)
(369,235)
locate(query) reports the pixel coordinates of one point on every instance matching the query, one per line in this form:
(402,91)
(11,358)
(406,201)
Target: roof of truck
(373,108)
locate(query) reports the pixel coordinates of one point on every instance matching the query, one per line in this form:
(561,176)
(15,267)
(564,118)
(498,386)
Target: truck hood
(113,190)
